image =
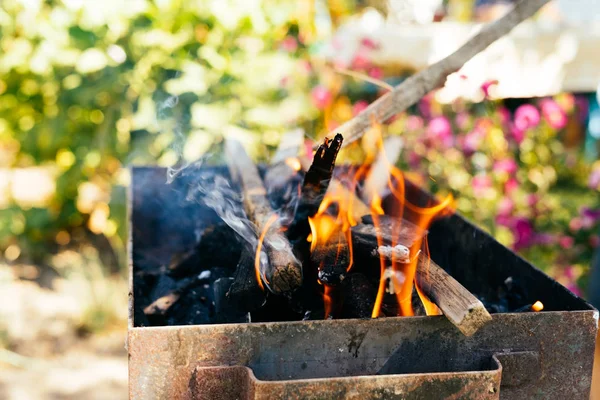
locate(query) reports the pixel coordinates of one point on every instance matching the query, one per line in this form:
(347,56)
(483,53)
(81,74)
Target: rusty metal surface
(547,355)
(163,359)
(230,383)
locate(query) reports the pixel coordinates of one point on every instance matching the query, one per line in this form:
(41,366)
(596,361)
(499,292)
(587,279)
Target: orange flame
(327,300)
(537,306)
(260,276)
(338,213)
(402,274)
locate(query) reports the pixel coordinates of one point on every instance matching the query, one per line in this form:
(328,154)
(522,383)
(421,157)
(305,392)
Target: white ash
(390,275)
(399,252)
(204,275)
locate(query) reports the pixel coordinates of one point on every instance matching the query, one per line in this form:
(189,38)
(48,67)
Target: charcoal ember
(194,306)
(358,296)
(218,245)
(225,310)
(510,296)
(332,262)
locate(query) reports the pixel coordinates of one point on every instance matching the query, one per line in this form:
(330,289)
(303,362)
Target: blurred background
(88,88)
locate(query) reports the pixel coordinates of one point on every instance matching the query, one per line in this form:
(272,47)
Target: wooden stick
(460,306)
(418,85)
(285,272)
(315,185)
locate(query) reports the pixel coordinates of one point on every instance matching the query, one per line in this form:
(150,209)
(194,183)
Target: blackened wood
(285,271)
(358,296)
(245,292)
(332,262)
(314,187)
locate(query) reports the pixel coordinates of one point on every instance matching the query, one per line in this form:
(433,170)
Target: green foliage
(88,87)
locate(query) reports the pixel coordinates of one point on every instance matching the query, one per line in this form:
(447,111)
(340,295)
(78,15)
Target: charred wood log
(459,305)
(314,187)
(285,272)
(245,292)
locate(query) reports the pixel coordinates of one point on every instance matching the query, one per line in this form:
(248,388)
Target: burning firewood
(285,271)
(245,292)
(410,91)
(459,305)
(314,187)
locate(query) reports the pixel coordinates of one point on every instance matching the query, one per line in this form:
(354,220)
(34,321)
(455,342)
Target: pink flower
(462,120)
(369,43)
(506,166)
(376,73)
(517,134)
(524,233)
(481,183)
(504,115)
(566,242)
(511,185)
(575,224)
(575,289)
(359,106)
(594,179)
(594,215)
(425,105)
(321,97)
(545,239)
(554,115)
(505,206)
(440,131)
(471,142)
(587,222)
(485,87)
(532,200)
(414,160)
(361,60)
(568,272)
(289,44)
(526,116)
(305,67)
(414,123)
